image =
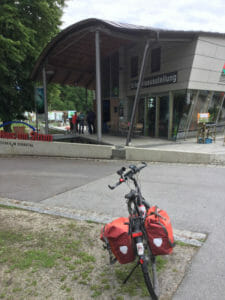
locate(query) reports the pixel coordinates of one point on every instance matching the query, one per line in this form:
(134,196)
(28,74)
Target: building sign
(203,117)
(34,136)
(222,76)
(39,100)
(166,78)
(20,133)
(71,113)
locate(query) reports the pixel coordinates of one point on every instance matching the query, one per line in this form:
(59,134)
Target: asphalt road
(35,179)
(194,197)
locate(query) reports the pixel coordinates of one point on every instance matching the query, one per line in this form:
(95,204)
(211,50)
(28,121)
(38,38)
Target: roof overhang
(70,57)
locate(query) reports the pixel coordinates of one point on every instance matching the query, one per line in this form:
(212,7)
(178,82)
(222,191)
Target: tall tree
(25,29)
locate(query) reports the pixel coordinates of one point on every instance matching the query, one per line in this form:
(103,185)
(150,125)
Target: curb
(187,237)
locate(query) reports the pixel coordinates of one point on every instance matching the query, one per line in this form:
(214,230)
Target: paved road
(35,179)
(193,196)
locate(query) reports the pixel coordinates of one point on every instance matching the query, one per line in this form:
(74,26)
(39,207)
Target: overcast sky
(205,15)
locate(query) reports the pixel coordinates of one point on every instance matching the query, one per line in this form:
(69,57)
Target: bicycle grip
(111,187)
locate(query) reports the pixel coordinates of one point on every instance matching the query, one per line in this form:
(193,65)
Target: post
(45,99)
(190,115)
(170,127)
(146,116)
(98,87)
(157,112)
(137,96)
(36,111)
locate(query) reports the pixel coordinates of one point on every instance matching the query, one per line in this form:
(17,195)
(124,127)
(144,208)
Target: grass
(38,251)
(65,256)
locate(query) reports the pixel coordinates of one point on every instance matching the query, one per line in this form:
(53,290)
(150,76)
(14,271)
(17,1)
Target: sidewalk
(141,148)
(158,150)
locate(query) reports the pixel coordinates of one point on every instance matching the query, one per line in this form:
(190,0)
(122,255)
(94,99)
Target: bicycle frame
(137,228)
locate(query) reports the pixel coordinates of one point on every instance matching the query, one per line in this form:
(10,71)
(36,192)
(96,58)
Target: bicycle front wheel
(148,266)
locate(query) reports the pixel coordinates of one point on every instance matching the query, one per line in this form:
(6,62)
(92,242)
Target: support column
(170,125)
(146,121)
(36,111)
(45,99)
(190,114)
(157,110)
(98,87)
(220,109)
(137,96)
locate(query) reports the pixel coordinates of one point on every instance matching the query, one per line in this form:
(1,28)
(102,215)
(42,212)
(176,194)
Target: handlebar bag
(159,231)
(120,242)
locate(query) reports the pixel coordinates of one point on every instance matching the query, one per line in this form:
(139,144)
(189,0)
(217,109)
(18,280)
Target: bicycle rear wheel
(149,272)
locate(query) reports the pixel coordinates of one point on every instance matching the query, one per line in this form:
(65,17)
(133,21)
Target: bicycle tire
(149,272)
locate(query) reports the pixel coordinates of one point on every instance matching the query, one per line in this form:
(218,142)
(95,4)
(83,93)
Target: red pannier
(159,230)
(120,242)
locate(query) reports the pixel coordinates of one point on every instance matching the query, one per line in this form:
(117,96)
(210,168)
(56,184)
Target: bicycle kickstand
(131,272)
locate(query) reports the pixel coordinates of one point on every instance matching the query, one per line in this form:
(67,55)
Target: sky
(197,15)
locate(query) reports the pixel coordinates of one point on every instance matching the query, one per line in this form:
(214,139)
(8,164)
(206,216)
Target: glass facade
(181,106)
(150,116)
(217,109)
(186,104)
(110,76)
(170,115)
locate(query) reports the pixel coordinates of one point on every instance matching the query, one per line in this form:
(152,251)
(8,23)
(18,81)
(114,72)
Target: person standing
(81,118)
(64,118)
(74,121)
(91,121)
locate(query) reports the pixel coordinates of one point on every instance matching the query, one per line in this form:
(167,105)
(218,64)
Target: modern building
(156,78)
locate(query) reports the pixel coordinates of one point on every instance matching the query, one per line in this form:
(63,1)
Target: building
(158,79)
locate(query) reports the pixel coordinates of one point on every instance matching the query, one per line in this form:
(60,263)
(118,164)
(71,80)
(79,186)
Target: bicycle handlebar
(128,175)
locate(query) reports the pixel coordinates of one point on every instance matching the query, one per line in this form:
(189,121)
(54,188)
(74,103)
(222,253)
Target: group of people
(78,120)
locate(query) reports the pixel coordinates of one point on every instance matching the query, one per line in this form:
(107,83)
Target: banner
(203,117)
(39,100)
(71,113)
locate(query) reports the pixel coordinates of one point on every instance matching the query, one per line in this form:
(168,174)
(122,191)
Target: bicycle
(137,208)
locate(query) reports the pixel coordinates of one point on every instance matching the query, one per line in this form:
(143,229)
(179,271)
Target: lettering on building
(166,78)
(34,136)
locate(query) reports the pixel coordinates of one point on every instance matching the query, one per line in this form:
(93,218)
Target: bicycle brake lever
(111,187)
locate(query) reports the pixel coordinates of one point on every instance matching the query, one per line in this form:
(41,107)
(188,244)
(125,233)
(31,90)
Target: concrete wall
(208,64)
(158,155)
(174,57)
(198,63)
(23,147)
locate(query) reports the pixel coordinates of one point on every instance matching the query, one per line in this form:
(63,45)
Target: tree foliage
(69,98)
(25,29)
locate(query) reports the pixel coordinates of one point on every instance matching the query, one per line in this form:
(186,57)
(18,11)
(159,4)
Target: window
(115,75)
(110,76)
(134,66)
(155,59)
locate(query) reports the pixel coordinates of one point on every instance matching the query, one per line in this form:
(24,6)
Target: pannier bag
(159,231)
(115,234)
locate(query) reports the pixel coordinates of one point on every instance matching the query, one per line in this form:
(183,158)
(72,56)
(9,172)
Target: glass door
(150,116)
(163,116)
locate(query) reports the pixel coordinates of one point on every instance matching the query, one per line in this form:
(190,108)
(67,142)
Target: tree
(69,98)
(25,29)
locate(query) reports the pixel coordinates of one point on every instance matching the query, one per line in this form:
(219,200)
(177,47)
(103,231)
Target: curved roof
(70,57)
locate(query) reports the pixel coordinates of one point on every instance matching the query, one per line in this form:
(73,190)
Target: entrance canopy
(70,57)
